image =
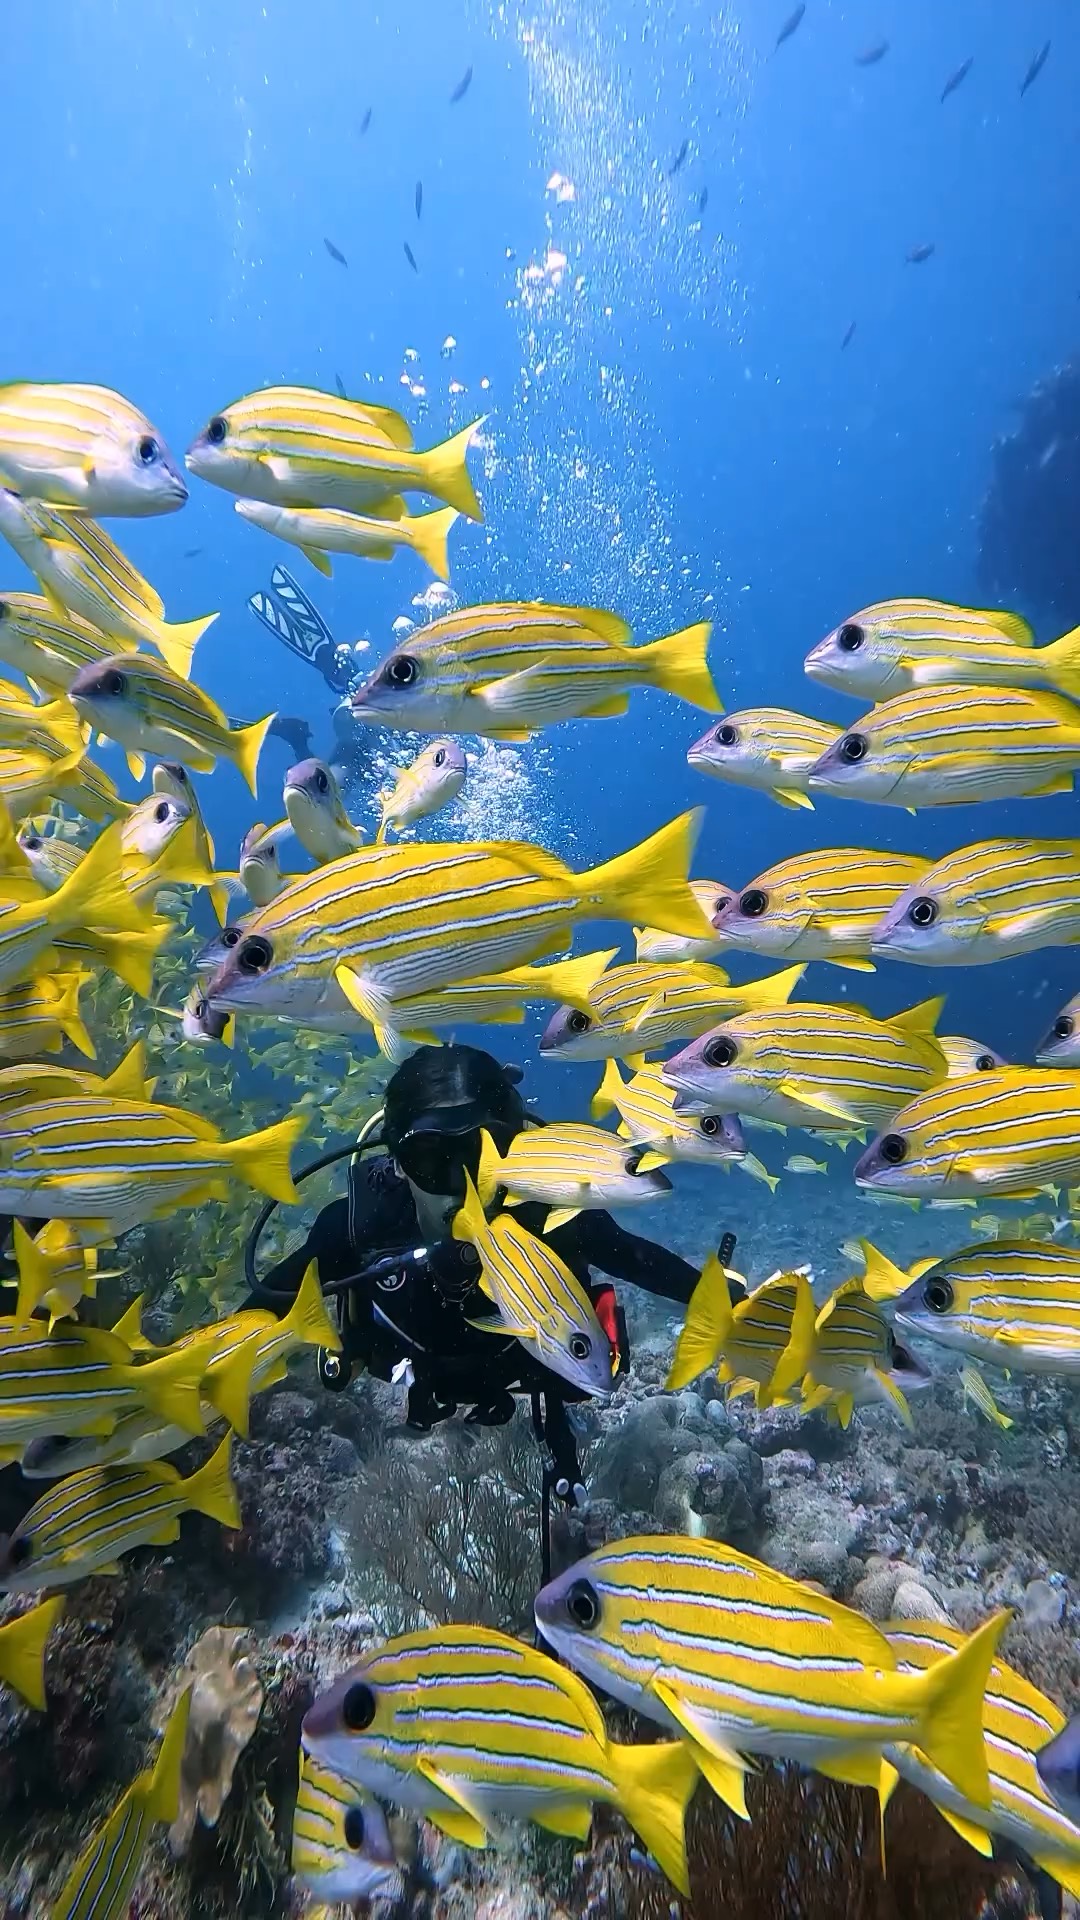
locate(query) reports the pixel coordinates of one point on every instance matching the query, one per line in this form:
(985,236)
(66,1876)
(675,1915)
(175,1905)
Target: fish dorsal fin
(607,625)
(1013,627)
(921,1019)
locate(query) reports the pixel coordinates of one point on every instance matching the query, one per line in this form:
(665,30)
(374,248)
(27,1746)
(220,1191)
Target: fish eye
(31,842)
(726,735)
(923,911)
(322,781)
(147,450)
(985,1063)
(721,901)
(580,1347)
(709,1125)
(578,1022)
(358,1707)
(231,937)
(20,1550)
(582,1604)
(114,682)
(254,954)
(850,637)
(161,811)
(440,756)
(353,1828)
(402,670)
(853,748)
(216,430)
(893,1149)
(632,1162)
(719,1052)
(938,1295)
(753,903)
(1063,1026)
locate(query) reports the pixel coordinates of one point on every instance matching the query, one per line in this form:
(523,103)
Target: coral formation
(226,1701)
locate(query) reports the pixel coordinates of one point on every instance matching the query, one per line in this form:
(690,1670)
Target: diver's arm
(327,1243)
(597,1239)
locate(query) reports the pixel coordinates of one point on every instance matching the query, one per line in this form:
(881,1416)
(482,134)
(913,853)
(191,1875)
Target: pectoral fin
(723,1769)
(470,1815)
(318,559)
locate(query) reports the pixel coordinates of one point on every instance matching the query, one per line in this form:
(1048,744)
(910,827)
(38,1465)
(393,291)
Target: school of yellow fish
(387,936)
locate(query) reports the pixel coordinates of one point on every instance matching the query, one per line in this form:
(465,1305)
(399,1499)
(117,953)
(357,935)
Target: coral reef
(226,1701)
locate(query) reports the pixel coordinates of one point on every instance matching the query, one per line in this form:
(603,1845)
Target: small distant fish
(916,255)
(410,256)
(1035,69)
(418,198)
(791,24)
(802,1163)
(366,121)
(848,336)
(957,78)
(703,199)
(870,56)
(679,159)
(340,385)
(335,252)
(192,553)
(462,87)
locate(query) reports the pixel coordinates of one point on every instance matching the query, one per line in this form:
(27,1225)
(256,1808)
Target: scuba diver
(294,620)
(405,1308)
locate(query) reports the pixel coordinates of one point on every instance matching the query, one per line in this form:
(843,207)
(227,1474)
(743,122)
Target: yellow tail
(211,1489)
(1061,661)
(606,1098)
(176,643)
(307,1320)
(951,1716)
(651,881)
(262,1159)
(654,1787)
(60,719)
(247,743)
(795,1361)
(708,1323)
(567,981)
(130,956)
(487,1174)
(22,1650)
(171,1386)
(444,473)
(470,1221)
(429,535)
(163,1783)
(882,1280)
(95,895)
(678,664)
(775,990)
(35,1273)
(67,1016)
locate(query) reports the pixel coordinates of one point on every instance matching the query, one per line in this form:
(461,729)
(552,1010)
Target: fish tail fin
(230,1387)
(705,1329)
(211,1490)
(176,643)
(651,881)
(446,475)
(171,1386)
(568,981)
(262,1159)
(796,1359)
(163,1783)
(775,990)
(307,1319)
(22,1650)
(68,1017)
(1062,662)
(131,957)
(470,1220)
(678,665)
(655,1785)
(606,1097)
(62,721)
(951,1716)
(95,894)
(882,1280)
(429,537)
(247,744)
(487,1173)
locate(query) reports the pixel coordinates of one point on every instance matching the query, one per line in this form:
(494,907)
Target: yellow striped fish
(989,901)
(1011,1132)
(741,1660)
(317,813)
(1010,1303)
(745,1342)
(31,1082)
(851,1359)
(259,862)
(92,792)
(172,778)
(375,535)
(466,1726)
(497,999)
(821,905)
(95,894)
(148,708)
(1021,1728)
(50,726)
(37,1016)
(811,1065)
(300,447)
(55,1271)
(83,1524)
(81,571)
(160,846)
(769,749)
(341,1845)
(1060,1047)
(51,858)
(111,1164)
(49,647)
(22,1650)
(389,922)
(81,1379)
(508,668)
(568,1167)
(539,1301)
(430,782)
(101,1883)
(963,1055)
(901,644)
(638,1008)
(646,1108)
(652,944)
(942,746)
(32,776)
(85,448)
